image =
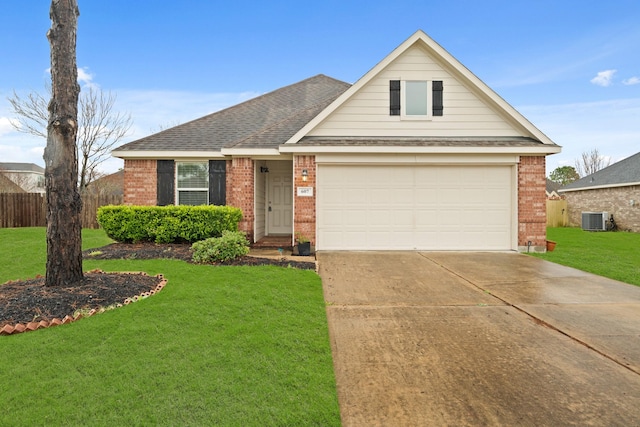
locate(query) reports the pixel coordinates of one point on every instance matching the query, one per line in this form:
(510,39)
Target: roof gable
(8,186)
(262,122)
(437,62)
(623,173)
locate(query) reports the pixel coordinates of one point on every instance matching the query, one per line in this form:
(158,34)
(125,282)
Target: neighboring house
(417,154)
(28,176)
(108,185)
(614,189)
(8,186)
(552,190)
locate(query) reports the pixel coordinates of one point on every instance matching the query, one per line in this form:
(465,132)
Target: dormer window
(410,98)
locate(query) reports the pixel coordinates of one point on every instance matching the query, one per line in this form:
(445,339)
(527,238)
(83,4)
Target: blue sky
(571,67)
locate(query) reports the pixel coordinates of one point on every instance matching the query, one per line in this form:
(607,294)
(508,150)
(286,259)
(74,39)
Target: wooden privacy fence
(29,209)
(557,213)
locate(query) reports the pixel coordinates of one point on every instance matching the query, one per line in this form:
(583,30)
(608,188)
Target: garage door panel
(354,218)
(379,218)
(414,207)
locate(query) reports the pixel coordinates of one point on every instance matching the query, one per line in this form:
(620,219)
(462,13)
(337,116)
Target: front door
(279,203)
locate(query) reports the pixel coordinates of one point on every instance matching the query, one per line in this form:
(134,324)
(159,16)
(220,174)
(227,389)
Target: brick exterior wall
(532,210)
(140,177)
(240,188)
(140,182)
(615,201)
(304,216)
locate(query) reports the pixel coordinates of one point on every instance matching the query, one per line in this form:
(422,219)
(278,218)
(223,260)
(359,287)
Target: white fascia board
(362,149)
(149,154)
(250,152)
(599,187)
(440,53)
(418,159)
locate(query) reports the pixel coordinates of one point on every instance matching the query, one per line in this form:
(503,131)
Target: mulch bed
(30,301)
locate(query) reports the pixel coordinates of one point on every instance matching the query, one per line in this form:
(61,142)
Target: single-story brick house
(614,189)
(418,154)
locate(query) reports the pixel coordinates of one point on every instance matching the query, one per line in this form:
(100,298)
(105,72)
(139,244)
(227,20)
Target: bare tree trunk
(64,206)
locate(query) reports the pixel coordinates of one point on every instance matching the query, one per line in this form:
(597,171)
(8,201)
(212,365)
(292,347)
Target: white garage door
(414,207)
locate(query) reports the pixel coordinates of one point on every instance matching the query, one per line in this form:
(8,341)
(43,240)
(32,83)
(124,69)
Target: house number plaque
(305,191)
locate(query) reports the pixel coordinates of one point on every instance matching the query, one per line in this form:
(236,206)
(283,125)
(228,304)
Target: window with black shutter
(438,107)
(409,99)
(165,170)
(394,97)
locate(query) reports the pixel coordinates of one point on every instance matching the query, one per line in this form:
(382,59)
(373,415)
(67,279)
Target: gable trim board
(471,178)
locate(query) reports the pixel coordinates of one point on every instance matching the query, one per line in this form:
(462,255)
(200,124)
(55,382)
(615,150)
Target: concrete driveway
(435,338)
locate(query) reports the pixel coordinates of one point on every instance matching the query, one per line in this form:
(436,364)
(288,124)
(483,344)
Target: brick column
(140,182)
(532,203)
(240,189)
(304,216)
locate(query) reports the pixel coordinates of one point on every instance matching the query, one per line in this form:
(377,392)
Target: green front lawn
(218,346)
(610,254)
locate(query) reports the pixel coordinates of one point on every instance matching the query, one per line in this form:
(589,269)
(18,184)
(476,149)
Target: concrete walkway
(436,338)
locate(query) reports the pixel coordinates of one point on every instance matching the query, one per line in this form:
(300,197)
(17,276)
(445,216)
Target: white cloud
(85,78)
(5,126)
(631,81)
(603,78)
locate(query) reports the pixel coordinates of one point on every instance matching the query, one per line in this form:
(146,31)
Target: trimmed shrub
(167,224)
(231,245)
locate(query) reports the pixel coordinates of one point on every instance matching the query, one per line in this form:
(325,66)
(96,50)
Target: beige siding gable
(467,110)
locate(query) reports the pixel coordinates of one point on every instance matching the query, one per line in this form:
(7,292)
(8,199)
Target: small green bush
(231,245)
(166,224)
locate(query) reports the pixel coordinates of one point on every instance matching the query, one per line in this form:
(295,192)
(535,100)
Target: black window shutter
(437,98)
(394,97)
(217,182)
(166,182)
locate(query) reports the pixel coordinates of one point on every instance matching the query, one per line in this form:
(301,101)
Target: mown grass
(218,346)
(23,252)
(609,254)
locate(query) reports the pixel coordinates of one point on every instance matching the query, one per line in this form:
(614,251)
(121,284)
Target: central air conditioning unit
(594,221)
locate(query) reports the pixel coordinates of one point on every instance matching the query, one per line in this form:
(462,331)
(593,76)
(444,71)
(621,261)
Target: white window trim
(200,189)
(403,101)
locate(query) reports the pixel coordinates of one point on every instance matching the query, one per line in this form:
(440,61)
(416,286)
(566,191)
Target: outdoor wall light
(305,174)
(264,169)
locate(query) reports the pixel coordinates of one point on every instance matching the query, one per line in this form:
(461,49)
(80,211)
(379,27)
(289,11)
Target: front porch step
(273,242)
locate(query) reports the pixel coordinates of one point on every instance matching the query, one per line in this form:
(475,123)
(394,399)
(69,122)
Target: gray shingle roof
(21,167)
(626,171)
(552,186)
(262,122)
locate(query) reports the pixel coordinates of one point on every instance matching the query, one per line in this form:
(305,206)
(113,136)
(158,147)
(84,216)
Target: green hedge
(166,224)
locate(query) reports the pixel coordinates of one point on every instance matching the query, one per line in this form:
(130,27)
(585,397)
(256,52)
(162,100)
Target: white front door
(279,202)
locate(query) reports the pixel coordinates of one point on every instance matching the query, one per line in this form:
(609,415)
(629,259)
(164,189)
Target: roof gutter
(599,187)
(151,154)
